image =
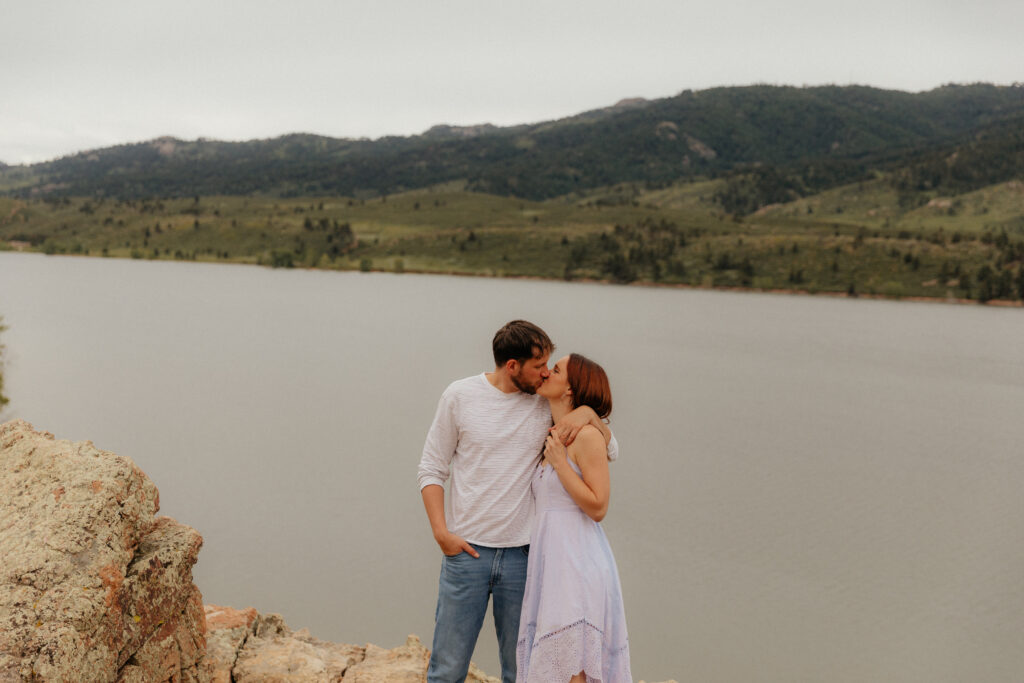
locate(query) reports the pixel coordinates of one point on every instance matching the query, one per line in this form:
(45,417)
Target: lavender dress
(572,618)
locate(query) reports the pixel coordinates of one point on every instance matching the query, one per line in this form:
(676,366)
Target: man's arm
(569,426)
(433,501)
(435,465)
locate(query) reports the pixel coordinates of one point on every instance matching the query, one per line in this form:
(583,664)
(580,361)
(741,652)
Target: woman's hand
(554,452)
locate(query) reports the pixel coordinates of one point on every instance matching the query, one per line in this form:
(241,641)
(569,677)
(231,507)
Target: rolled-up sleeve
(439,448)
(613,448)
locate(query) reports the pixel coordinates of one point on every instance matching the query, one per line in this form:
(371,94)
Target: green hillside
(855,239)
(985,156)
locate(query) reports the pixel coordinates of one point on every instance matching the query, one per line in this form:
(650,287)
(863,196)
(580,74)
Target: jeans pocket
(458,554)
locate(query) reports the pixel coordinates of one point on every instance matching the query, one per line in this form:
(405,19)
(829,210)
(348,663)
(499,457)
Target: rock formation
(246,647)
(92,586)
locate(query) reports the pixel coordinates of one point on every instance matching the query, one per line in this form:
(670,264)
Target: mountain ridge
(695,133)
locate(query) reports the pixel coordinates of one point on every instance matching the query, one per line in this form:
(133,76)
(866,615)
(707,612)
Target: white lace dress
(572,619)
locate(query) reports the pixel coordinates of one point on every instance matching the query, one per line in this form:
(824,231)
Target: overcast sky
(80,74)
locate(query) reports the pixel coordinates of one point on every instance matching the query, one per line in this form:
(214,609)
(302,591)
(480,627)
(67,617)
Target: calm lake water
(810,489)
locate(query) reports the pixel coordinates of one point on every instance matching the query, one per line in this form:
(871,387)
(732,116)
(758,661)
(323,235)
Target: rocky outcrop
(92,585)
(246,647)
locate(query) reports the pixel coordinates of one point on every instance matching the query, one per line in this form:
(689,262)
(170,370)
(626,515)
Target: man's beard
(525,388)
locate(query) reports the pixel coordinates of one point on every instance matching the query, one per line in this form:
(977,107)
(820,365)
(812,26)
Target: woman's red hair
(589,385)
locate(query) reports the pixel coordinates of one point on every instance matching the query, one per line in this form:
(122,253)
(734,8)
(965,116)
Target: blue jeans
(466,585)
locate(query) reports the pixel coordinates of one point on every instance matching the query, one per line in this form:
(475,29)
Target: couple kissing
(522,526)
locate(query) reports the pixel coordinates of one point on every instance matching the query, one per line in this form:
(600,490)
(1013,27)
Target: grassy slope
(855,236)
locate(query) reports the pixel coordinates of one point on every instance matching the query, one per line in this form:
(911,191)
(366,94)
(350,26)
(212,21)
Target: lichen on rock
(92,585)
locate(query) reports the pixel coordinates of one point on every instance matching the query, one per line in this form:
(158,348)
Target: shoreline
(995,303)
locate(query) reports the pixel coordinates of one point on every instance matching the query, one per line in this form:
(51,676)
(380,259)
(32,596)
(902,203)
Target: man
(488,434)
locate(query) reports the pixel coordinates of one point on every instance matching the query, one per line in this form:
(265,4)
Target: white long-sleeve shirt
(489,443)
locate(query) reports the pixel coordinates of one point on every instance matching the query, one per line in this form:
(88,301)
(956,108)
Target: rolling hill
(824,135)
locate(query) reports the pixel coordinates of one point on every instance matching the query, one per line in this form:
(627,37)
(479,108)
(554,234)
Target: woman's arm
(592,491)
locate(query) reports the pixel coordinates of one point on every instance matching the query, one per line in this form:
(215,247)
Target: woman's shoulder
(589,449)
(590,439)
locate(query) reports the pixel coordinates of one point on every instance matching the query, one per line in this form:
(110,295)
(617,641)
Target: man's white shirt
(488,443)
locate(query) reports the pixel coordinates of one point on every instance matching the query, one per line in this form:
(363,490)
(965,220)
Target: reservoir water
(810,489)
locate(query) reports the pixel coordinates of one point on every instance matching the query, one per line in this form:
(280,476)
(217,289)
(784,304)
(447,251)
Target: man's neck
(501,381)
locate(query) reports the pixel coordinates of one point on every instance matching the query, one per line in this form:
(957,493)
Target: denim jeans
(466,585)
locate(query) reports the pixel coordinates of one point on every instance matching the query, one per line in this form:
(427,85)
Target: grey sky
(79,74)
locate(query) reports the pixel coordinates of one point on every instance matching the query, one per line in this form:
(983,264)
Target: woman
(573,627)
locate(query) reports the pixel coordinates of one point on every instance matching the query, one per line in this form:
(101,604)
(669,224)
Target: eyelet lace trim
(557,656)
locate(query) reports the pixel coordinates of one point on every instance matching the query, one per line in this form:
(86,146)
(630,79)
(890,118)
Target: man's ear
(512,366)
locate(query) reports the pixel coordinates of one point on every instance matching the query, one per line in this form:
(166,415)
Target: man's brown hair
(519,340)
